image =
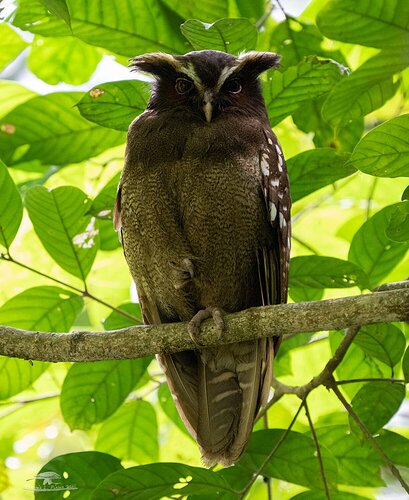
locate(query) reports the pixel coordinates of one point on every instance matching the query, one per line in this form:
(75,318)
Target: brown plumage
(203,210)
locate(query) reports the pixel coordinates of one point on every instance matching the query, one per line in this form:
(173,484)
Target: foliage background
(62,267)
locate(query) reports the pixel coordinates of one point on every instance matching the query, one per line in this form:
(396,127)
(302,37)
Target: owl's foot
(182,273)
(195,323)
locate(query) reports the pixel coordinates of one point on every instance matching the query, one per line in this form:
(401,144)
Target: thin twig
(305,244)
(318,449)
(260,23)
(331,384)
(375,379)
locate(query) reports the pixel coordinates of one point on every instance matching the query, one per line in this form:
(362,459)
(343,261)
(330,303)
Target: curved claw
(195,323)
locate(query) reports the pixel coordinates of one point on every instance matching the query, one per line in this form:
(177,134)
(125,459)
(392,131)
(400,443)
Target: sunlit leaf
(398,229)
(384,151)
(58,8)
(153,481)
(395,446)
(11,44)
(116,320)
(208,10)
(11,95)
(315,271)
(285,92)
(103,204)
(79,473)
(61,136)
(321,495)
(314,169)
(131,433)
(115,104)
(227,35)
(36,17)
(305,294)
(405,365)
(382,341)
(60,221)
(93,391)
(168,406)
(43,308)
(375,23)
(375,404)
(372,250)
(11,208)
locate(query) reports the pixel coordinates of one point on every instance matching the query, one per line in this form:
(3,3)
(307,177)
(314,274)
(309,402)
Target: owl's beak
(208,106)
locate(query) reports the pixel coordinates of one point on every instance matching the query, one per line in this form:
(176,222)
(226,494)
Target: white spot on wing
(264,166)
(283,222)
(274,182)
(273,211)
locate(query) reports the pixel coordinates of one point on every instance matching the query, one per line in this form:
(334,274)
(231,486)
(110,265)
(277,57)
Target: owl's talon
(195,323)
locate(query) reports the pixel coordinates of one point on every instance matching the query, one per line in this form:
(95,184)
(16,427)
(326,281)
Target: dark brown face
(206,84)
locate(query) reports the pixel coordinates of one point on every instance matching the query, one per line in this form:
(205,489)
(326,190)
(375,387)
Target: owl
(203,213)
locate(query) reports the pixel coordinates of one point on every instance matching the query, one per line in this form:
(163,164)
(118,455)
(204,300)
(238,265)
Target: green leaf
(153,481)
(315,271)
(60,221)
(115,321)
(358,463)
(375,404)
(127,28)
(131,433)
(382,341)
(11,44)
(405,366)
(285,92)
(11,208)
(60,137)
(374,23)
(81,471)
(43,308)
(367,88)
(227,35)
(305,294)
(115,104)
(108,237)
(321,495)
(405,194)
(65,59)
(93,391)
(314,169)
(384,150)
(395,446)
(373,251)
(58,8)
(295,460)
(398,229)
(34,16)
(103,204)
(168,406)
(208,10)
(11,95)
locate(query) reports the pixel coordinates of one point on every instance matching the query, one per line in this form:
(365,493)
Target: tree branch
(139,341)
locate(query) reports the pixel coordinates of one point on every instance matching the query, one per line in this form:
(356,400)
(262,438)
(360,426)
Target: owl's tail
(218,393)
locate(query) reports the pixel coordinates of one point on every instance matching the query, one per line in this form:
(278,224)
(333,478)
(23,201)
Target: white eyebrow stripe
(189,70)
(224,75)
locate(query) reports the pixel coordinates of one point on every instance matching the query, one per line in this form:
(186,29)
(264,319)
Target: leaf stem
(375,379)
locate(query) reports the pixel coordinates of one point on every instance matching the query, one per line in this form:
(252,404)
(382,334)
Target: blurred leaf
(382,341)
(42,308)
(11,208)
(253,10)
(131,433)
(285,92)
(375,404)
(168,406)
(395,446)
(127,28)
(314,169)
(405,366)
(207,10)
(11,44)
(367,88)
(11,95)
(83,471)
(398,229)
(374,23)
(384,150)
(58,8)
(115,321)
(305,294)
(115,104)
(108,237)
(93,391)
(4,479)
(321,495)
(67,233)
(65,59)
(295,460)
(153,481)
(373,251)
(358,463)
(34,16)
(227,35)
(405,194)
(315,271)
(61,136)
(103,204)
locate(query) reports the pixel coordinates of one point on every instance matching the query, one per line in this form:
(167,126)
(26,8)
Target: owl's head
(207,83)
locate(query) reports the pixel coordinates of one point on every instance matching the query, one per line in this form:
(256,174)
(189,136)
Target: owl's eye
(233,86)
(183,85)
